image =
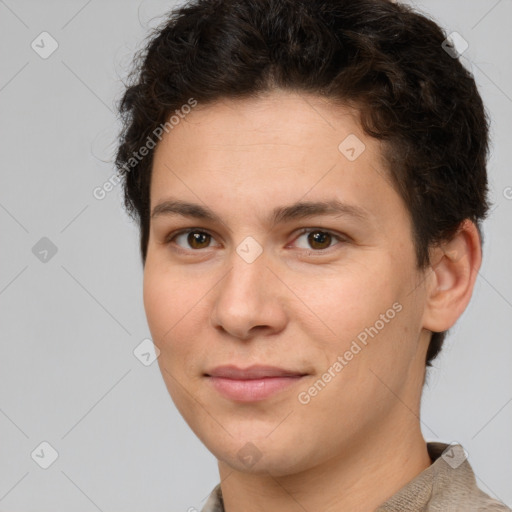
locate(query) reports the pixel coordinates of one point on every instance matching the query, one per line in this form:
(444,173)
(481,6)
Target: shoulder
(447,485)
(455,480)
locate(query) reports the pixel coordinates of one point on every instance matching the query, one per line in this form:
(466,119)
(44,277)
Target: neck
(359,480)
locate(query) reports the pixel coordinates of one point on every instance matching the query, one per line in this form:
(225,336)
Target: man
(309,178)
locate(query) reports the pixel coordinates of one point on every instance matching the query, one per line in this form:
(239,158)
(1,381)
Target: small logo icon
(351,147)
(44,45)
(146,352)
(249,249)
(44,250)
(454,455)
(455,45)
(44,455)
(249,455)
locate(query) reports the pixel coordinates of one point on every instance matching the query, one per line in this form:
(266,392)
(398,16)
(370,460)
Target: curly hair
(383,58)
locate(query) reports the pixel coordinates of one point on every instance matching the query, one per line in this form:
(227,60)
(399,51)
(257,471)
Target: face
(330,296)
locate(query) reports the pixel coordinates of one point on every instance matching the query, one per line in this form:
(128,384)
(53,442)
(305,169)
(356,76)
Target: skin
(299,305)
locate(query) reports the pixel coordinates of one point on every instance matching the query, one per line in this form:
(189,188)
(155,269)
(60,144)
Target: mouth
(251,384)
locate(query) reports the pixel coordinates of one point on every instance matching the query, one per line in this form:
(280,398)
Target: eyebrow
(280,214)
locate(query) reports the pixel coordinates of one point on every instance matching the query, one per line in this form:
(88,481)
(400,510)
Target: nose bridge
(247,274)
(245,297)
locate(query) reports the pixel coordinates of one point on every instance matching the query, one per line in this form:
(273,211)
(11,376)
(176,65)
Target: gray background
(68,327)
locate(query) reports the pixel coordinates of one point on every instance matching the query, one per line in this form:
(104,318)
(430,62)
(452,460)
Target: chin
(259,456)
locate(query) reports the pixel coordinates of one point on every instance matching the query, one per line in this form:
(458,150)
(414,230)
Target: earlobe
(455,266)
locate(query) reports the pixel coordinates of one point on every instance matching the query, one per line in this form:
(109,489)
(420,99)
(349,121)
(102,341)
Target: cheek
(172,315)
(363,316)
(163,303)
(343,304)
(155,303)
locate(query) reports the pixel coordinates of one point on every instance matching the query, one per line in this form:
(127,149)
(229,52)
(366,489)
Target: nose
(249,299)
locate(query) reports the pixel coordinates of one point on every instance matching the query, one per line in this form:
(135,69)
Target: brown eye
(319,239)
(198,239)
(191,239)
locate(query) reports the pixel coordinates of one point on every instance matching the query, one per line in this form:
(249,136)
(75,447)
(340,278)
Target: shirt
(447,485)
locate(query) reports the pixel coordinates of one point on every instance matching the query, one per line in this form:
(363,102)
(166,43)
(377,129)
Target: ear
(454,268)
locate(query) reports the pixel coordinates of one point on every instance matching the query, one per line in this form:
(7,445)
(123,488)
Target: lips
(252,372)
(251,384)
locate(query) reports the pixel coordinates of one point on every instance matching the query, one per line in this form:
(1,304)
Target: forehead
(276,117)
(271,150)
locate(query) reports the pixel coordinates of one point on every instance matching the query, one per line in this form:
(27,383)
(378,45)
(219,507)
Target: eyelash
(170,239)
